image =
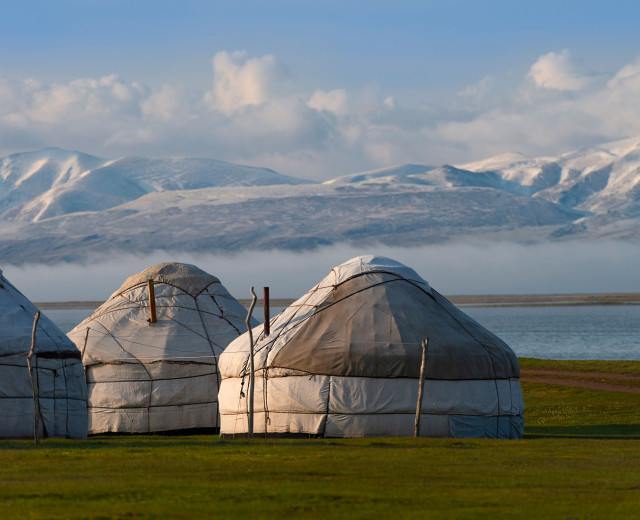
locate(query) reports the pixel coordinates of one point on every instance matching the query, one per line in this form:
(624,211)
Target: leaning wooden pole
(152,302)
(251,364)
(34,386)
(416,428)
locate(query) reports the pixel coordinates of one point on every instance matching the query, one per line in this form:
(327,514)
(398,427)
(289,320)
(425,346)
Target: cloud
(254,115)
(87,97)
(334,101)
(166,103)
(239,81)
(554,71)
(628,77)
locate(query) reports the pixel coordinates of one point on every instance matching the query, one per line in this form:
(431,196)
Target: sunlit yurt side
(344,361)
(58,374)
(148,377)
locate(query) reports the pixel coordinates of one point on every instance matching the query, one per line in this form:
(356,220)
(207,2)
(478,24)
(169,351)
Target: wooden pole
(251,364)
(416,428)
(267,317)
(152,302)
(34,387)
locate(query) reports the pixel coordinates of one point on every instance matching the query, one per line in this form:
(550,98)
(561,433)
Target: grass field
(580,459)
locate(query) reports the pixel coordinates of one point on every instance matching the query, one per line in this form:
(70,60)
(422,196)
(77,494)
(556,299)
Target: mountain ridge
(60,205)
(66,182)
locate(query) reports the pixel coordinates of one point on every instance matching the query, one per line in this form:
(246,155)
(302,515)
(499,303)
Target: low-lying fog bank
(490,268)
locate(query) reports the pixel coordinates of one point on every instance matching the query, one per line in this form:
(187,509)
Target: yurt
(59,406)
(150,375)
(345,360)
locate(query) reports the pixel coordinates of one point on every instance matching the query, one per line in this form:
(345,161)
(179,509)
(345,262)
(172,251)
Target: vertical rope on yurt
(213,354)
(416,428)
(152,319)
(489,355)
(36,402)
(67,431)
(84,345)
(221,309)
(252,368)
(85,372)
(115,339)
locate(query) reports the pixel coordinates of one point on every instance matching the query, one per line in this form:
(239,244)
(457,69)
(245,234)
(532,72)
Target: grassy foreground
(580,459)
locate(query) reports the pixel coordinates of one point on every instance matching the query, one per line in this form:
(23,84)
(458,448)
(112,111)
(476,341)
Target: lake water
(554,332)
(566,332)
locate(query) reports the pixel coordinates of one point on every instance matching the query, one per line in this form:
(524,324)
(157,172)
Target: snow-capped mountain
(38,185)
(602,182)
(60,205)
(594,180)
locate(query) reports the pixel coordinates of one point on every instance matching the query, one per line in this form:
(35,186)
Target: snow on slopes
(404,170)
(52,182)
(59,205)
(602,182)
(285,217)
(595,180)
(28,175)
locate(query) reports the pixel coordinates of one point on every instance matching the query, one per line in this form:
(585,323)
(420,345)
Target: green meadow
(580,458)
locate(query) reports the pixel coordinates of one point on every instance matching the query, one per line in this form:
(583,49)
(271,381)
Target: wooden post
(267,317)
(416,428)
(152,302)
(34,387)
(251,364)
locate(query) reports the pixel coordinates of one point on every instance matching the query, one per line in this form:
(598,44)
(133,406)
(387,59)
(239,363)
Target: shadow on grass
(144,442)
(600,431)
(108,442)
(150,441)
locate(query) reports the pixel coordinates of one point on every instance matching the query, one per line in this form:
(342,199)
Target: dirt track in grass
(607,381)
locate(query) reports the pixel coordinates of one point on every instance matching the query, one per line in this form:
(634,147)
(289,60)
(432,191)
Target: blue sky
(318,89)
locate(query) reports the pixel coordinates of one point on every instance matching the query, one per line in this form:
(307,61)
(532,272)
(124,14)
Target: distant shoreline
(467,300)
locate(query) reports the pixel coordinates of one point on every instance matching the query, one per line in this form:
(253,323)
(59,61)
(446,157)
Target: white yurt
(150,377)
(58,375)
(344,361)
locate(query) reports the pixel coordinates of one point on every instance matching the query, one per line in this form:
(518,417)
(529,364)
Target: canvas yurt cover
(57,373)
(148,377)
(344,361)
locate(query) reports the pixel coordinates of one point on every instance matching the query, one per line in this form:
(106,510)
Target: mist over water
(469,268)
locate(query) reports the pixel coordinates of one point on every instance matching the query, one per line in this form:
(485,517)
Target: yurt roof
(17,314)
(368,318)
(370,264)
(196,319)
(187,277)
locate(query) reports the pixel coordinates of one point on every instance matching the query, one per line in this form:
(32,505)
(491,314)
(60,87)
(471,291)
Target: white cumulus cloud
(628,77)
(253,115)
(84,98)
(166,103)
(239,81)
(555,71)
(334,101)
